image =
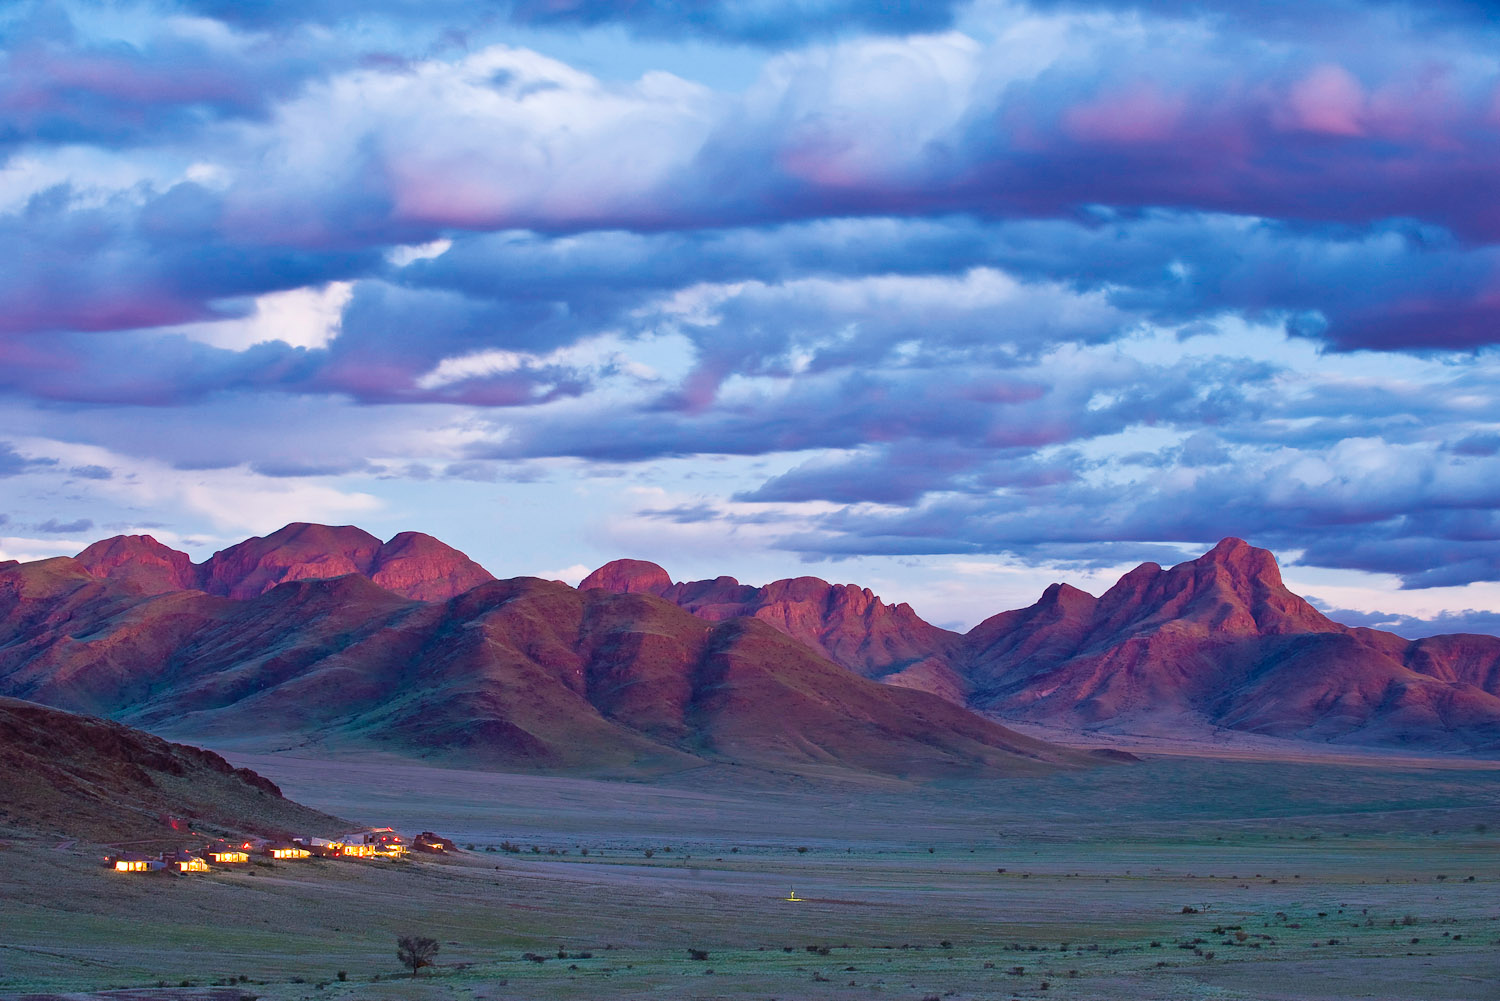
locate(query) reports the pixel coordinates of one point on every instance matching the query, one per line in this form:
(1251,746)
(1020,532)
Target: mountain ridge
(411,564)
(518,673)
(1216,641)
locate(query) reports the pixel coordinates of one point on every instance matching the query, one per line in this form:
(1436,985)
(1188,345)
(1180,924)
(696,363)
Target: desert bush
(416,951)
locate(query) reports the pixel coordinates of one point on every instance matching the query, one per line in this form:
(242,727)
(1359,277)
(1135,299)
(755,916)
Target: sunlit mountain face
(952,300)
(327,635)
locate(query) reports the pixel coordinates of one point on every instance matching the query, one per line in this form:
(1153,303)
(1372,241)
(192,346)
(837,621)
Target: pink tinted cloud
(1138,114)
(1329,100)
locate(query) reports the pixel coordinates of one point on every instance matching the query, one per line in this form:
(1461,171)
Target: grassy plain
(1307,879)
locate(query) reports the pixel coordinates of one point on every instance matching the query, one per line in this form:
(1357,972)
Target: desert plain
(1209,875)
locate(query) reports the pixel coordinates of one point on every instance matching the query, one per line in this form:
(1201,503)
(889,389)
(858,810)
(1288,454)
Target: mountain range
(326,633)
(1214,643)
(522,672)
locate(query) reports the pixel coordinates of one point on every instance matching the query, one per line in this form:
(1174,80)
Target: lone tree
(416,951)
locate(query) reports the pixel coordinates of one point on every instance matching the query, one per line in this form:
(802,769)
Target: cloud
(54,527)
(1355,504)
(233,499)
(1468,620)
(1069,282)
(13,463)
(756,22)
(59,84)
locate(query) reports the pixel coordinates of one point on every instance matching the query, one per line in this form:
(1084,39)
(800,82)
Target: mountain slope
(849,625)
(82,777)
(1220,641)
(524,672)
(1212,643)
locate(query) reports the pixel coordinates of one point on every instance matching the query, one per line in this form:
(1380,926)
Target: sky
(947,299)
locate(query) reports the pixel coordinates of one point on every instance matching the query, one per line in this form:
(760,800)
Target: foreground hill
(81,777)
(522,672)
(1213,643)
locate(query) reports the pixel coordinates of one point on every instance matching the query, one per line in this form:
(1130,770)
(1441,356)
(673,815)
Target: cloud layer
(1060,281)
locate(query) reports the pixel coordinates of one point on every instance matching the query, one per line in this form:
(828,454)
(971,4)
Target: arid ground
(1176,877)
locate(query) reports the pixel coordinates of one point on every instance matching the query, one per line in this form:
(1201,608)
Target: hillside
(81,777)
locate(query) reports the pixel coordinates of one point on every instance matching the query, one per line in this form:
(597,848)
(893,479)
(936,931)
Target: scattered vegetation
(416,951)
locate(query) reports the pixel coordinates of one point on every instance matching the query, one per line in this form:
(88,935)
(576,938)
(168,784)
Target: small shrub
(343,975)
(416,951)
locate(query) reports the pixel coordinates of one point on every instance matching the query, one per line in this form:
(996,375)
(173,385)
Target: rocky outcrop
(141,560)
(411,564)
(628,577)
(297,552)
